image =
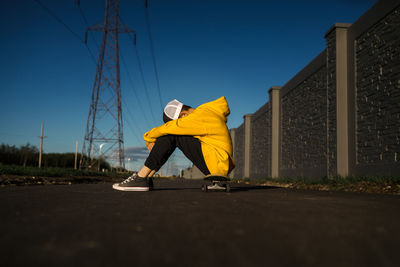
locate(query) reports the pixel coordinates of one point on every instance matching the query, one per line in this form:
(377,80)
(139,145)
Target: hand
(150,146)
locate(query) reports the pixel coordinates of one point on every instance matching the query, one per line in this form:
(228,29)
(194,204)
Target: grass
(369,184)
(46,172)
(19,175)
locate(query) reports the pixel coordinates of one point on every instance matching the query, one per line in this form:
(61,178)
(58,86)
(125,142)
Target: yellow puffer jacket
(208,124)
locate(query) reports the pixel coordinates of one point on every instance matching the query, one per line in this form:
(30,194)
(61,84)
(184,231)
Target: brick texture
(238,152)
(303,121)
(378,93)
(331,103)
(260,150)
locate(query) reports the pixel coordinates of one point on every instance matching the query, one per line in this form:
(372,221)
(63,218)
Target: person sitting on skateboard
(201,134)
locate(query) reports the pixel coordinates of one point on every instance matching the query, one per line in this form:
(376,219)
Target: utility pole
(104,124)
(41,145)
(76,155)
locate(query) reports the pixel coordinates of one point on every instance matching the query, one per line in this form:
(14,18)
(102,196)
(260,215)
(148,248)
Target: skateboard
(218,183)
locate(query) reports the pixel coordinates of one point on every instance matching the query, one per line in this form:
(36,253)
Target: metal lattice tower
(104,129)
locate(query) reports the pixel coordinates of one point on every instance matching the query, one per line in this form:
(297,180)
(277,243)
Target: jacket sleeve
(189,125)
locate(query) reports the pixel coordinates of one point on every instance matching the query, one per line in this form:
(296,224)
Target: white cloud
(136,153)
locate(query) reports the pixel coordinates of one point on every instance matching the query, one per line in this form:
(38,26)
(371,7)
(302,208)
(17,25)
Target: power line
(152,52)
(82,13)
(133,88)
(87,26)
(142,76)
(51,13)
(132,118)
(130,113)
(144,82)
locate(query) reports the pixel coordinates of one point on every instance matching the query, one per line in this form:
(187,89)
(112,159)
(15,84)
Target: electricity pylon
(104,128)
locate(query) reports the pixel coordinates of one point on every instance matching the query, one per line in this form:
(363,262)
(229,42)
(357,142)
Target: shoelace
(131,178)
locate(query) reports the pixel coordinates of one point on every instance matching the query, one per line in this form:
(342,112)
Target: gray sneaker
(133,183)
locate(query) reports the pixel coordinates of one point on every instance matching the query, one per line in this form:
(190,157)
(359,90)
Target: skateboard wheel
(228,188)
(204,188)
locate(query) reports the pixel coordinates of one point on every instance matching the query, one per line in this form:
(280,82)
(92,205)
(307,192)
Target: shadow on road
(253,187)
(233,188)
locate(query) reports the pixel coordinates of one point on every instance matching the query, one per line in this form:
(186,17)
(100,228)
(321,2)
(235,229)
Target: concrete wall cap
(336,26)
(274,88)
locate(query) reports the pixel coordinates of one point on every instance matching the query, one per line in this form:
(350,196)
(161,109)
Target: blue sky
(203,49)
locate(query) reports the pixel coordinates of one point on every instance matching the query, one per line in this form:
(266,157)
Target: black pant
(165,146)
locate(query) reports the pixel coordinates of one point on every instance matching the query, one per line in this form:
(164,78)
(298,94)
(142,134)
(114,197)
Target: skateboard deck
(216,183)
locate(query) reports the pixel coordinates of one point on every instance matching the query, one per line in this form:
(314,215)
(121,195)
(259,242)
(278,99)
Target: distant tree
(60,160)
(26,155)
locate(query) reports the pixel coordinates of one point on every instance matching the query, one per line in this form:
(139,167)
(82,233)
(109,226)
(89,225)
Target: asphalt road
(178,225)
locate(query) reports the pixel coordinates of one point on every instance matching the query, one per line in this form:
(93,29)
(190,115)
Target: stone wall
(260,148)
(340,115)
(377,89)
(331,103)
(303,122)
(238,152)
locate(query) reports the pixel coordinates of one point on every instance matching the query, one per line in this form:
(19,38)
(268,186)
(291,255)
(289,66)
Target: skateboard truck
(218,183)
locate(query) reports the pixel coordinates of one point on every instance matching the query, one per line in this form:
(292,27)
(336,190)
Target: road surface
(178,225)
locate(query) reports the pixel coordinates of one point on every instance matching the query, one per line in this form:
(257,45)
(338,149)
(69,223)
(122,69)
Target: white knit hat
(172,110)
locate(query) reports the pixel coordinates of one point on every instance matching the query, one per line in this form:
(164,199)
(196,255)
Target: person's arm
(189,125)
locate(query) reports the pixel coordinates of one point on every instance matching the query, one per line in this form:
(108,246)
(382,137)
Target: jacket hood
(220,106)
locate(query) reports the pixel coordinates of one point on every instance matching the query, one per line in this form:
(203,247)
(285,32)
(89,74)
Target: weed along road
(179,225)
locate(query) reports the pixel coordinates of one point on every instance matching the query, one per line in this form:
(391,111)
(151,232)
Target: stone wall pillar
(337,104)
(232,132)
(247,145)
(274,98)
